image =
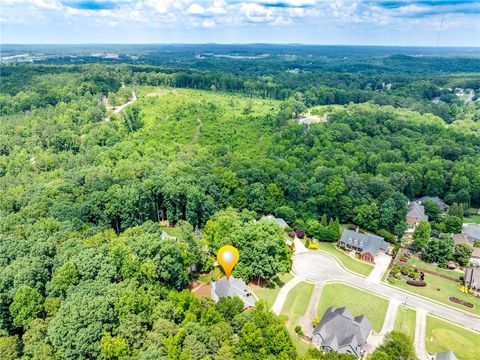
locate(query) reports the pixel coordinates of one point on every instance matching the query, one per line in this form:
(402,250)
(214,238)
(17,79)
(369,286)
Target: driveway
(382,261)
(320,268)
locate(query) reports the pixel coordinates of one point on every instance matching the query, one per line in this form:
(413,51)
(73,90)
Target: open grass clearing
(442,336)
(357,301)
(405,321)
(294,308)
(270,292)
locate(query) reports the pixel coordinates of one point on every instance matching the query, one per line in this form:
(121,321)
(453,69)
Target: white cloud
(207,23)
(196,9)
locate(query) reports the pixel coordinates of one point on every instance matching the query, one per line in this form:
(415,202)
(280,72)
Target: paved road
(319,268)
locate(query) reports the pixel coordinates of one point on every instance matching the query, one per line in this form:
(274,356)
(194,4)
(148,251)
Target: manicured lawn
(414,260)
(443,336)
(441,289)
(294,308)
(356,266)
(270,293)
(405,321)
(357,301)
(472,219)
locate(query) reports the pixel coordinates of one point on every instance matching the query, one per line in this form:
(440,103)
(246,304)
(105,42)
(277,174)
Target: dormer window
(361,243)
(355,242)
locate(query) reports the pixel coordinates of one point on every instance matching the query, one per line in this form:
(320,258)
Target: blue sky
(343,22)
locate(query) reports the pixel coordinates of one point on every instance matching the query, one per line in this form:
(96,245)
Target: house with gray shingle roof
(445,355)
(439,201)
(340,331)
(279,221)
(230,288)
(415,214)
(368,245)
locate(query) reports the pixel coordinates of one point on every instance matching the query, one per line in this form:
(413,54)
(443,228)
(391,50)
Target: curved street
(320,268)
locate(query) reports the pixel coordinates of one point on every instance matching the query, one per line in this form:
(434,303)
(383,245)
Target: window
(361,243)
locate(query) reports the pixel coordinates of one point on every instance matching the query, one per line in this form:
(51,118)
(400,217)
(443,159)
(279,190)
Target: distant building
(368,245)
(230,288)
(446,355)
(436,199)
(340,331)
(462,239)
(415,214)
(279,221)
(471,278)
(475,257)
(165,236)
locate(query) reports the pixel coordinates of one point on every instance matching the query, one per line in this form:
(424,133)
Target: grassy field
(357,301)
(270,293)
(294,308)
(443,336)
(405,321)
(440,290)
(472,219)
(353,265)
(414,260)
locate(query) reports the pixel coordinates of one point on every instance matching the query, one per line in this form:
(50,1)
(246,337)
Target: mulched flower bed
(419,283)
(461,302)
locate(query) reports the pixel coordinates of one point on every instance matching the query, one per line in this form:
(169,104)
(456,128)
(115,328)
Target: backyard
(405,321)
(349,263)
(357,301)
(294,308)
(270,292)
(442,336)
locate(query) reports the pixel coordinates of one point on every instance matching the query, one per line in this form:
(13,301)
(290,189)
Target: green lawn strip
(405,321)
(441,289)
(353,265)
(472,219)
(294,308)
(414,260)
(442,336)
(357,301)
(270,293)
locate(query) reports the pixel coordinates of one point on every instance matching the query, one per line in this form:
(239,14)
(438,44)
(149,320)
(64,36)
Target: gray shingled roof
(416,210)
(279,221)
(446,355)
(439,201)
(365,242)
(338,328)
(232,287)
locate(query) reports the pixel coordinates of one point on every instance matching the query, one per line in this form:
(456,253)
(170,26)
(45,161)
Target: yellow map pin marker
(228,257)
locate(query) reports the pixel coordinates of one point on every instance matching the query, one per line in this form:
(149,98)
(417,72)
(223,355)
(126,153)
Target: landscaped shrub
(299,331)
(315,321)
(313,246)
(419,283)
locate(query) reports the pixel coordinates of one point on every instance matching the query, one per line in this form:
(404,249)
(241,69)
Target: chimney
(356,229)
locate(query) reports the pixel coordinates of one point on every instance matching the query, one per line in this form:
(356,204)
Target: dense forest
(210,144)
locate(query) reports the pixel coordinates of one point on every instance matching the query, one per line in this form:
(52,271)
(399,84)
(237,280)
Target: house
(367,244)
(472,278)
(230,288)
(446,355)
(340,331)
(462,239)
(415,214)
(439,201)
(165,236)
(279,221)
(475,257)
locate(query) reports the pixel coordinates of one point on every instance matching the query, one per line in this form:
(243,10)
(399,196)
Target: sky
(336,22)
